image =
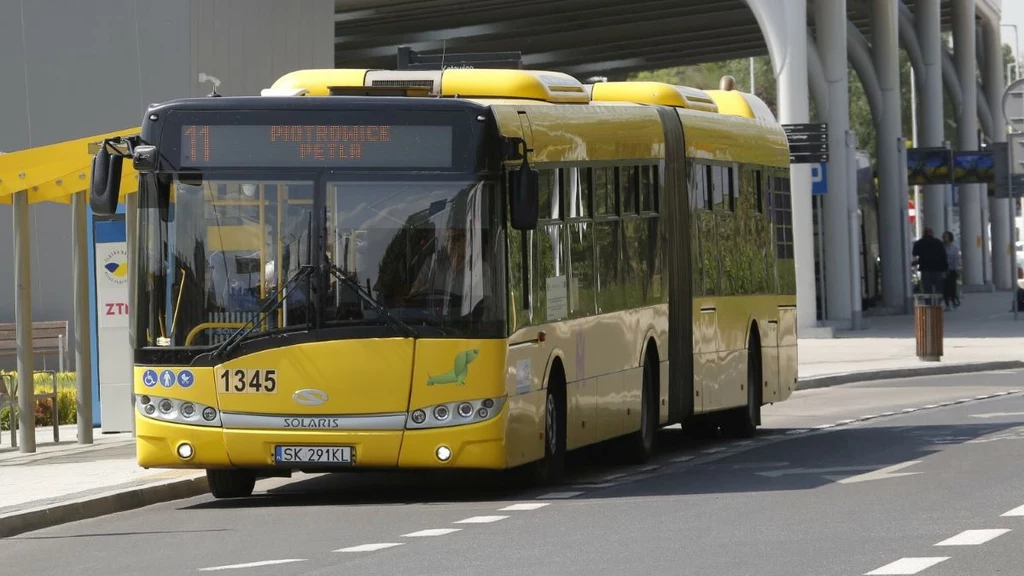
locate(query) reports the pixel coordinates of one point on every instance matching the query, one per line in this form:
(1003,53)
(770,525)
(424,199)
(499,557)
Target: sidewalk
(980,335)
(66,482)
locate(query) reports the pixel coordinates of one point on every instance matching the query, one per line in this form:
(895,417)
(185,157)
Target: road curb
(101,505)
(937,370)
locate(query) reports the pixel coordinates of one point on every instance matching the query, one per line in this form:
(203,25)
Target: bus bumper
(478,446)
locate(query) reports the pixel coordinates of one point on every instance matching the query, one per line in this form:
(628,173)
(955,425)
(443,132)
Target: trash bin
(928,326)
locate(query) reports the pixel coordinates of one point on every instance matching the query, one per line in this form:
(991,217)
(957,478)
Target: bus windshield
(427,252)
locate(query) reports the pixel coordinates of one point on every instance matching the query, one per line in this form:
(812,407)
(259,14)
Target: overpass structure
(811,43)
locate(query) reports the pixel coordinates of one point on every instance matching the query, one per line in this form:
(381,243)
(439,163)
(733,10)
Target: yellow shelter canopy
(55,172)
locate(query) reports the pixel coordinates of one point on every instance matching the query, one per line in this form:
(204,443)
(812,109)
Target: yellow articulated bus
(467,268)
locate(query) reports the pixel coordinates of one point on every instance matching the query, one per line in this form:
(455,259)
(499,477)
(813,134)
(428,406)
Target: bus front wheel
(552,467)
(231,483)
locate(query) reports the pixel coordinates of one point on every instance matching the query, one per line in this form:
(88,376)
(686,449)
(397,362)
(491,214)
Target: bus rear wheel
(231,483)
(641,445)
(744,421)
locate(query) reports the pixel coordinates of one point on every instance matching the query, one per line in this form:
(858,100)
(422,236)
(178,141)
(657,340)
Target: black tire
(642,444)
(744,422)
(551,469)
(231,483)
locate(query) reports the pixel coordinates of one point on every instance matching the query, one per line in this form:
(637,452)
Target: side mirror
(106,182)
(523,197)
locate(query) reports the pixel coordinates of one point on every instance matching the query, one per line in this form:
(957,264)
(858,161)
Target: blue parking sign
(819,178)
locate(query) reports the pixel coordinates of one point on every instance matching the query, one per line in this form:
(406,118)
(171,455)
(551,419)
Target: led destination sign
(292,145)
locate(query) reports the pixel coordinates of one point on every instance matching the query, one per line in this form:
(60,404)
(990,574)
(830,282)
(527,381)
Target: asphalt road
(914,474)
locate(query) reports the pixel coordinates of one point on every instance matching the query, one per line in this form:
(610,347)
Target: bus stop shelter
(60,173)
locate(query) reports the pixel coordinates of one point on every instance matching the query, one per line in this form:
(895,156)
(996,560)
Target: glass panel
(218,250)
(216,253)
(581,268)
(427,251)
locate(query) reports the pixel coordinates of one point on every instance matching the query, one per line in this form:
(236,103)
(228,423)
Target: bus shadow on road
(715,465)
(805,462)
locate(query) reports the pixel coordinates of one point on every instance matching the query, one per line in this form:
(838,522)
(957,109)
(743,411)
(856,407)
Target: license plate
(313,454)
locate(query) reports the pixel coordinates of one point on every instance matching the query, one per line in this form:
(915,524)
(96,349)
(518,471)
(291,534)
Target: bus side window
(580,253)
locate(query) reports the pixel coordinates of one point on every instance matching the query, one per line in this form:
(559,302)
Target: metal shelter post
(83,339)
(23,318)
(131,219)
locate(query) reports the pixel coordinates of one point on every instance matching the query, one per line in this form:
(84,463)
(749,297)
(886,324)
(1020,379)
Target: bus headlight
(178,411)
(454,413)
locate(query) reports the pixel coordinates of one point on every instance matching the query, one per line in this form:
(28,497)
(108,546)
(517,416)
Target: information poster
(112,349)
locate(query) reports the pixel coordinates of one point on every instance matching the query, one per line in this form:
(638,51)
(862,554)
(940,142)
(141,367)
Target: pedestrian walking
(930,256)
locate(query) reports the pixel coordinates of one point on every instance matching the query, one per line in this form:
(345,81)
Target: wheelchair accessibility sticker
(167,378)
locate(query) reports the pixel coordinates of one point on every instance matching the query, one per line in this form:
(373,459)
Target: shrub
(67,399)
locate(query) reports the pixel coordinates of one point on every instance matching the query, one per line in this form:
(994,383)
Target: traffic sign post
(1013,172)
(808,143)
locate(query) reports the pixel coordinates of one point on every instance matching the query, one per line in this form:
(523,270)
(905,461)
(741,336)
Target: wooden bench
(47,338)
(7,399)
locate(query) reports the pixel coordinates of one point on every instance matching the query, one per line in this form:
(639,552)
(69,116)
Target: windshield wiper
(268,307)
(369,299)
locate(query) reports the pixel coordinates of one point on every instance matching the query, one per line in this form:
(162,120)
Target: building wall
(71,69)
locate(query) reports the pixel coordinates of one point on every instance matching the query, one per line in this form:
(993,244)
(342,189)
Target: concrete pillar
(930,129)
(784,24)
(23,320)
(999,208)
(830,28)
(892,201)
(816,79)
(83,335)
(967,140)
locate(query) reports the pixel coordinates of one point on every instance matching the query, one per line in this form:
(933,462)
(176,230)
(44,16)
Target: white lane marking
(481,520)
(791,471)
(930,406)
(682,458)
(884,414)
(558,495)
(1013,392)
(973,537)
(252,564)
(597,485)
(801,431)
(370,547)
(613,476)
(962,400)
(653,467)
(525,506)
(714,450)
(1018,511)
(841,422)
(431,532)
(881,474)
(909,410)
(907,566)
(983,396)
(869,417)
(825,426)
(744,443)
(996,414)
